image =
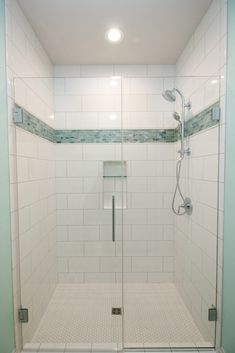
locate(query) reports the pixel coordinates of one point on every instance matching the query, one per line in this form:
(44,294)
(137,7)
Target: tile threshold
(79,348)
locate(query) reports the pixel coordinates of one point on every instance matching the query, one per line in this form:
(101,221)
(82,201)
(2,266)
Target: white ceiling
(155,31)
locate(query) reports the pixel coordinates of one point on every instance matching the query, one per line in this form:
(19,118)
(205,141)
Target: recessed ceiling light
(114,35)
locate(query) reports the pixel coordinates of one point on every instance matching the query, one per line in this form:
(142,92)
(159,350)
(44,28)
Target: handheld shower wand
(170,96)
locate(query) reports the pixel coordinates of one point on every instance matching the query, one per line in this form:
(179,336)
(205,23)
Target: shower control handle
(113,218)
(187,205)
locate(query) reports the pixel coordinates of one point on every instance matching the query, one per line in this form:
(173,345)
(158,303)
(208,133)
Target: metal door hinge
(23,315)
(212,314)
(18,115)
(215,113)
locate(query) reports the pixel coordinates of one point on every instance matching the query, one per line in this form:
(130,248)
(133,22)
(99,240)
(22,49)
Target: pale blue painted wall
(6,303)
(228,321)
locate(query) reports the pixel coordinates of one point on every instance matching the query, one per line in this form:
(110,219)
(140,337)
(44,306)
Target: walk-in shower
(186,207)
(83,288)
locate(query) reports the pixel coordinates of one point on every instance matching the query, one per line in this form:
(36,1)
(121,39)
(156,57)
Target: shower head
(169,95)
(176,116)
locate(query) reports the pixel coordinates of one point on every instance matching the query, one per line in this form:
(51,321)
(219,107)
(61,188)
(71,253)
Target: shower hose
(178,190)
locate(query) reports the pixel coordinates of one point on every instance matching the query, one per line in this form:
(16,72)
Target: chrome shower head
(176,116)
(169,95)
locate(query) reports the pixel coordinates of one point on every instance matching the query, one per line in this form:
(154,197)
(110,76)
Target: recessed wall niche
(114,184)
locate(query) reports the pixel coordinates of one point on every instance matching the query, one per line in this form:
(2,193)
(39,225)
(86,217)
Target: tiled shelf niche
(114,184)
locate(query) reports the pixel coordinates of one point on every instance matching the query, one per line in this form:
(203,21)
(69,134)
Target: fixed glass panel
(170,230)
(70,218)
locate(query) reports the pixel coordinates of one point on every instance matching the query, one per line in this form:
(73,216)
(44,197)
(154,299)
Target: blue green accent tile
(205,119)
(115,136)
(34,125)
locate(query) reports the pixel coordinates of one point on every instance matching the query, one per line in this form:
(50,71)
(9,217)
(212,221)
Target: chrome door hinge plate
(215,114)
(212,314)
(18,115)
(23,315)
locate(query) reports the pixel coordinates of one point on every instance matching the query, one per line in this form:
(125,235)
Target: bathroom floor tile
(155,315)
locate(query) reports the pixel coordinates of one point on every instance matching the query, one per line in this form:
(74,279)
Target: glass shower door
(170,261)
(70,189)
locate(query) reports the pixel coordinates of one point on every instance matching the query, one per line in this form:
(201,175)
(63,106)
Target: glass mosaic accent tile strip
(30,123)
(115,136)
(204,120)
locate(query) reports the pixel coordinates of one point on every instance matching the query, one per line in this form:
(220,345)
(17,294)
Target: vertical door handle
(113,218)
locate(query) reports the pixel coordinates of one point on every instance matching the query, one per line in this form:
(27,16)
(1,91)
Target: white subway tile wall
(84,237)
(79,173)
(97,103)
(32,171)
(56,190)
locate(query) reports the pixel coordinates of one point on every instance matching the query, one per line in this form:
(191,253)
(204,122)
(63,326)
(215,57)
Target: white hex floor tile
(79,315)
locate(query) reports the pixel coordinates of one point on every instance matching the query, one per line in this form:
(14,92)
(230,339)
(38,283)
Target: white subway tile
(134,152)
(110,120)
(61,201)
(99,248)
(114,264)
(96,70)
(83,264)
(92,185)
(82,168)
(70,278)
(156,103)
(134,102)
(99,277)
(136,184)
(160,216)
(101,103)
(81,120)
(97,217)
(137,216)
(160,184)
(147,232)
(69,249)
(130,70)
(147,264)
(78,233)
(146,200)
(146,85)
(62,264)
(146,168)
(145,120)
(68,152)
(83,201)
(69,217)
(68,103)
(160,278)
(66,70)
(69,185)
(58,86)
(160,248)
(161,70)
(81,86)
(60,168)
(101,152)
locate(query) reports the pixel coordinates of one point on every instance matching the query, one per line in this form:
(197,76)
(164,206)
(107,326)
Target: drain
(116,311)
